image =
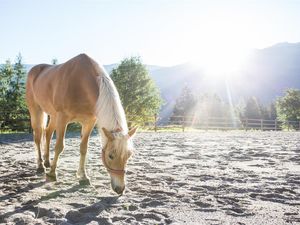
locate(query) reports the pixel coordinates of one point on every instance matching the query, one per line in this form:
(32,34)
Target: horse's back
(71,87)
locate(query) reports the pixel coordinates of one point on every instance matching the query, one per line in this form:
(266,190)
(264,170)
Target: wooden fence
(153,122)
(218,123)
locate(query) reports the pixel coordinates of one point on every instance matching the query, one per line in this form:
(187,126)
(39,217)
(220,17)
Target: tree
(12,95)
(272,111)
(252,109)
(6,72)
(17,86)
(184,106)
(211,105)
(139,95)
(54,61)
(288,106)
(211,109)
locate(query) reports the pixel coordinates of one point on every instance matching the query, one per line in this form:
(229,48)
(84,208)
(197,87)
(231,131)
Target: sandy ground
(173,178)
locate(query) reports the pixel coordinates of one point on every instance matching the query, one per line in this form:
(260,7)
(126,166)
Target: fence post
(155,124)
(275,124)
(261,124)
(288,123)
(246,127)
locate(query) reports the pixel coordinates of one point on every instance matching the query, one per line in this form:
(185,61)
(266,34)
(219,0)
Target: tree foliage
(253,109)
(211,105)
(199,109)
(139,95)
(12,94)
(288,106)
(54,61)
(204,108)
(184,105)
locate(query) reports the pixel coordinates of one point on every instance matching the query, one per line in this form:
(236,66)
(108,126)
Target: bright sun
(219,62)
(220,47)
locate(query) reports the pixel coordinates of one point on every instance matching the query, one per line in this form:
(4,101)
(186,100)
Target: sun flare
(220,62)
(219,47)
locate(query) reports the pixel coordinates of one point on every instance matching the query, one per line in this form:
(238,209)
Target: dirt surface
(173,178)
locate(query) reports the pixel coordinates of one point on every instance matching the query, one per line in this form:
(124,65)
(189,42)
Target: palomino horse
(78,90)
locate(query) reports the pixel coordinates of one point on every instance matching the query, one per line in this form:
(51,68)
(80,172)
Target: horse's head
(115,155)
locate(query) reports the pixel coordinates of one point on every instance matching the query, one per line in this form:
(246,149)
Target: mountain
(272,70)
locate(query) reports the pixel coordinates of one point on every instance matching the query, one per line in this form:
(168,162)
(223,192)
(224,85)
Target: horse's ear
(108,134)
(132,132)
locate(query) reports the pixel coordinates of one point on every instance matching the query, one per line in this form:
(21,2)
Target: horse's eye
(111,156)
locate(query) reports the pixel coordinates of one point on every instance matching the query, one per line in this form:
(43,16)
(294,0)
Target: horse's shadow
(86,214)
(80,214)
(16,190)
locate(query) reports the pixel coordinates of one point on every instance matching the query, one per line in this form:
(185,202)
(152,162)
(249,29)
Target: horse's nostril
(119,190)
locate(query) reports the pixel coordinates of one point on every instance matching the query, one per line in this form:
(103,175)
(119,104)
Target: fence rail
(234,123)
(22,123)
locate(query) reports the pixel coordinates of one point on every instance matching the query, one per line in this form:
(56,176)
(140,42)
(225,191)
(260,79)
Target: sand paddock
(174,178)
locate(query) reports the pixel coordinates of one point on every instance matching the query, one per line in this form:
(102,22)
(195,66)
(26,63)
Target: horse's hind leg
(38,123)
(87,128)
(49,132)
(60,126)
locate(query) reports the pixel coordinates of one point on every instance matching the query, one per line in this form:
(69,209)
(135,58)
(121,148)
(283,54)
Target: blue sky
(161,32)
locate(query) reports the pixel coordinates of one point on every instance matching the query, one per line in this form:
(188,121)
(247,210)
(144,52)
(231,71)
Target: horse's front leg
(61,124)
(87,128)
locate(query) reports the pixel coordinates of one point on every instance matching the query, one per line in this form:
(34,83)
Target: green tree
(139,95)
(54,61)
(6,72)
(184,106)
(253,109)
(264,111)
(272,113)
(211,109)
(288,106)
(12,94)
(17,86)
(211,105)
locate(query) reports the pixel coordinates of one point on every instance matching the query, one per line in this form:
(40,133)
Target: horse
(78,90)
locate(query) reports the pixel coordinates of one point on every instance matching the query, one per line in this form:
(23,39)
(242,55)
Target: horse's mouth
(119,190)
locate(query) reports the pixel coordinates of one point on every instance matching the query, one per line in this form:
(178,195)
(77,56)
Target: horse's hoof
(40,170)
(84,182)
(50,177)
(47,164)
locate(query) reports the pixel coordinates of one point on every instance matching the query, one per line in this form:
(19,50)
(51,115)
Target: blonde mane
(109,111)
